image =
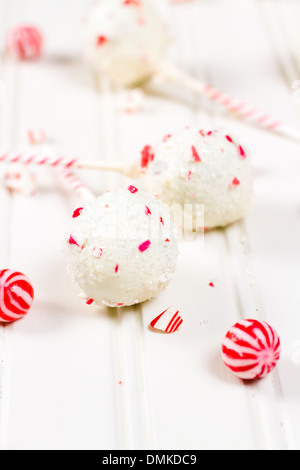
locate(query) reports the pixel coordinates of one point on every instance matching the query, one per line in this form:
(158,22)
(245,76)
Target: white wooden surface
(73,377)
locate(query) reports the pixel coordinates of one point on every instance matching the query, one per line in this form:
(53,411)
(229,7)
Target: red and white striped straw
(77,185)
(54,161)
(62,165)
(238,107)
(27,158)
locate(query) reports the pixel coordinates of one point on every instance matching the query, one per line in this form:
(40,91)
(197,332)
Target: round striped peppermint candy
(24,42)
(251,349)
(16,295)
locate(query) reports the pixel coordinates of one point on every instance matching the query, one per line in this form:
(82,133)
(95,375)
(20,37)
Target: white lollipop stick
(55,161)
(237,107)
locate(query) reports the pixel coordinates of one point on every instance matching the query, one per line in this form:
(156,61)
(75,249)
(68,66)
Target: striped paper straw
(238,107)
(54,161)
(77,185)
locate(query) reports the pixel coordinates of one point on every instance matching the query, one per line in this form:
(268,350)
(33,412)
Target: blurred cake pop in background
(124,39)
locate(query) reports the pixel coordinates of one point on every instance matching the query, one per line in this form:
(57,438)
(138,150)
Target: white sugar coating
(123,250)
(124,40)
(195,167)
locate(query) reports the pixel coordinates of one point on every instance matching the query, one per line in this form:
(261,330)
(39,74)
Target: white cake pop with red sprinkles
(121,248)
(124,39)
(208,172)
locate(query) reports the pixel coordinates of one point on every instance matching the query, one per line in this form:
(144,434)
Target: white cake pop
(124,39)
(195,167)
(122,249)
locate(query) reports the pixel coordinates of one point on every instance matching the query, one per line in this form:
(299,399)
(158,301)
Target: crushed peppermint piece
(141,20)
(97,252)
(17,176)
(72,241)
(136,3)
(77,212)
(211,284)
(132,189)
(168,322)
(90,302)
(147,156)
(20,180)
(147,210)
(167,137)
(36,136)
(196,157)
(167,240)
(235,182)
(101,40)
(242,152)
(229,139)
(144,246)
(116,268)
(131,101)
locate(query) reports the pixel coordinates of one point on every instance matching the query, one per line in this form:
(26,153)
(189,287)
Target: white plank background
(73,377)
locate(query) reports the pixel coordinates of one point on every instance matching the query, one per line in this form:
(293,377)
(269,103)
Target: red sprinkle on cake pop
(147,156)
(132,189)
(195,155)
(77,212)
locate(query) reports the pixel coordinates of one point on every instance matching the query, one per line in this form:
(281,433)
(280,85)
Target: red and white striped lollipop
(251,349)
(24,42)
(16,295)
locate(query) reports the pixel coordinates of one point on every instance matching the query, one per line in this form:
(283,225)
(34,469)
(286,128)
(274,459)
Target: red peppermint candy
(16,295)
(24,42)
(251,349)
